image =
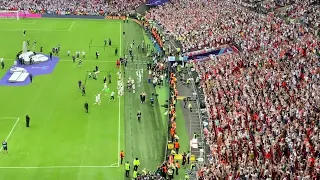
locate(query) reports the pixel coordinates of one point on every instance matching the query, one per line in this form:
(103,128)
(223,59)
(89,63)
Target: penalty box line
(12,129)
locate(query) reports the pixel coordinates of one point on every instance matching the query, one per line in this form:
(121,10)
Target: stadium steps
(195,126)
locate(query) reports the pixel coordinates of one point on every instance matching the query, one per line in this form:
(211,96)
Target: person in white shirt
(119,75)
(98,99)
(105,87)
(112,96)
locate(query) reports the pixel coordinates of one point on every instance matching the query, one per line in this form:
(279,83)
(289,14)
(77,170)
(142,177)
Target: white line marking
(8,118)
(16,22)
(45,30)
(57,167)
(13,127)
(64,60)
(71,26)
(119,116)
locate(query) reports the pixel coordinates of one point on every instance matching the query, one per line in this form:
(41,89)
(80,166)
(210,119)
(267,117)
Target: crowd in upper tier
(90,7)
(208,23)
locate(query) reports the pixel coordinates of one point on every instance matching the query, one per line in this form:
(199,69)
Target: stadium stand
(264,101)
(72,7)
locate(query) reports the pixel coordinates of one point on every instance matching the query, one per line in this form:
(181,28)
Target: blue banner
(156,2)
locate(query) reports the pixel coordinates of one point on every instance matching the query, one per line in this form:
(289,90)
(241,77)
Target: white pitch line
(34,22)
(8,118)
(56,167)
(13,127)
(119,101)
(71,26)
(64,60)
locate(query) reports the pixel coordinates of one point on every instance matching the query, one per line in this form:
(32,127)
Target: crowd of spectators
(73,7)
(264,101)
(208,23)
(306,12)
(193,23)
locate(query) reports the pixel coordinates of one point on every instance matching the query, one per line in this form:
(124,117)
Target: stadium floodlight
(9,14)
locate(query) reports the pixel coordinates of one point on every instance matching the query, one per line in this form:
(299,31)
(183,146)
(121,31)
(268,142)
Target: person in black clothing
(50,55)
(184,158)
(41,49)
(97,68)
(105,42)
(73,58)
(86,107)
(125,62)
(79,84)
(139,116)
(31,77)
(2,65)
(83,90)
(104,80)
(109,77)
(97,55)
(27,121)
(116,52)
(109,42)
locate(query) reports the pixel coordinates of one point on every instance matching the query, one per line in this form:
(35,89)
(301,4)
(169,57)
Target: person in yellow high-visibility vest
(127,168)
(135,175)
(136,164)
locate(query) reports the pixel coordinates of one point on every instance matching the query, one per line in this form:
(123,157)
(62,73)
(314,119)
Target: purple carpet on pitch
(35,69)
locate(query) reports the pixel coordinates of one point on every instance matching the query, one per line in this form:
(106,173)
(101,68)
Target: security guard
(135,175)
(127,168)
(136,164)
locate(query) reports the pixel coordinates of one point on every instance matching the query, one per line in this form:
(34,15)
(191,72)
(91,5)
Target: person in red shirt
(121,156)
(118,63)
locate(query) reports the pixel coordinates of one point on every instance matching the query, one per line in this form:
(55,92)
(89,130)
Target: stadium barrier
(21,15)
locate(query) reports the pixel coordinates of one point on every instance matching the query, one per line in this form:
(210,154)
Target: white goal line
(64,60)
(58,167)
(45,30)
(18,22)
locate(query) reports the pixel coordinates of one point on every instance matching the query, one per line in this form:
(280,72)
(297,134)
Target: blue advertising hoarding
(156,2)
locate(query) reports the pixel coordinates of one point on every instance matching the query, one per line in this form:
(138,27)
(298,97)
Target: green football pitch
(64,142)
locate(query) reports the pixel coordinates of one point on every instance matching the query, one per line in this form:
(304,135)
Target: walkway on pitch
(142,140)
